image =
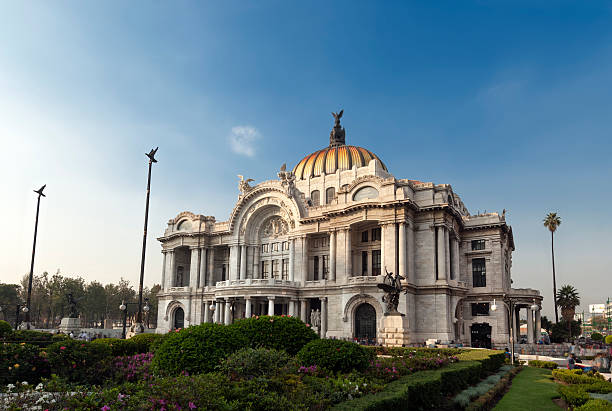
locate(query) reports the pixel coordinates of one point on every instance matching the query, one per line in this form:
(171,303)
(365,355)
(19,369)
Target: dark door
(179,318)
(365,322)
(481,335)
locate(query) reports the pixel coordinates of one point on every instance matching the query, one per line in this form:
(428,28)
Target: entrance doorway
(365,323)
(481,335)
(179,318)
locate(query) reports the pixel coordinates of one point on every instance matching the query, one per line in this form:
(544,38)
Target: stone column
(402,250)
(303,313)
(411,255)
(247,311)
(441,253)
(205,311)
(291,259)
(202,282)
(323,316)
(193,269)
(270,305)
(447,253)
(383,236)
(332,256)
(291,308)
(163,279)
(256,269)
(304,260)
(456,259)
(211,266)
(517,325)
(217,312)
(530,333)
(349,255)
(170,272)
(233,262)
(228,313)
(538,325)
(320,274)
(243,261)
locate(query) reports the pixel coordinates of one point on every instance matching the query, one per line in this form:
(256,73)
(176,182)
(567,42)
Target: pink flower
(73,365)
(62,348)
(192,406)
(105,408)
(307,325)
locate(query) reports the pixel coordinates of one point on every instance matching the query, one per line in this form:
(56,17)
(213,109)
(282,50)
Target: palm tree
(552,221)
(568,299)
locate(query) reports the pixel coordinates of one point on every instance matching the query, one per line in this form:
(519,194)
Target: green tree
(568,299)
(552,222)
(94,304)
(546,324)
(9,296)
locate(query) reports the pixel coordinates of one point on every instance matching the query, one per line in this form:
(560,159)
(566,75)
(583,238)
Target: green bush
(197,349)
(77,361)
(608,339)
(5,329)
(21,362)
(249,363)
(491,360)
(277,332)
(59,337)
(117,346)
(415,351)
(574,395)
(41,339)
(595,405)
(578,377)
(597,337)
(335,355)
(549,365)
(422,390)
(143,342)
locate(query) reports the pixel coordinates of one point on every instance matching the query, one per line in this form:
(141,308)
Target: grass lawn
(531,389)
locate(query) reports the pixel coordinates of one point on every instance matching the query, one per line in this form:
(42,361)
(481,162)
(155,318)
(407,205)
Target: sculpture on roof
(243,185)
(287,179)
(337,135)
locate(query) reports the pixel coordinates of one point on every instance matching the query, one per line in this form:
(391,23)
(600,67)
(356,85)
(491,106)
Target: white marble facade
(320,236)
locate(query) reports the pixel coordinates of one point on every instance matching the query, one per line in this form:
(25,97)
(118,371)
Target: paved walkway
(532,389)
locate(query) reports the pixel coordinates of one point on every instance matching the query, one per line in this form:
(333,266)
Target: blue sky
(507,101)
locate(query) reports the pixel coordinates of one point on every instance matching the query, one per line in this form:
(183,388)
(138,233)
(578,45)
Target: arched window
(179,318)
(365,322)
(184,225)
(315,197)
(365,193)
(330,193)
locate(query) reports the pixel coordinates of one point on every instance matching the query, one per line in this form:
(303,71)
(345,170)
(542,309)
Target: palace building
(316,241)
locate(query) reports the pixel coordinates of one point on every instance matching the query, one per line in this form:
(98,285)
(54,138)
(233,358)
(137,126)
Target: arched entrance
(365,322)
(179,318)
(481,335)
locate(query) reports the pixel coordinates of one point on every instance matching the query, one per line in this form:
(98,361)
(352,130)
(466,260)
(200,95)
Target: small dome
(331,159)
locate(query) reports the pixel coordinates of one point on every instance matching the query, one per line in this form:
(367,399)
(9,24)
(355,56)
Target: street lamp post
(124,307)
(138,327)
(510,304)
(27,312)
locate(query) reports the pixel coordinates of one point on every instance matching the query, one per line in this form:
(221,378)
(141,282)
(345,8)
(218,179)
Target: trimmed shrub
(143,342)
(415,351)
(197,349)
(38,338)
(578,377)
(249,363)
(77,361)
(5,329)
(595,405)
(21,362)
(117,346)
(491,360)
(59,337)
(275,332)
(574,395)
(549,365)
(335,355)
(608,339)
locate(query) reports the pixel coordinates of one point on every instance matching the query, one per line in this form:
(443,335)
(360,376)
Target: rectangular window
(325,266)
(376,234)
(375,262)
(223,272)
(264,248)
(479,272)
(364,236)
(480,309)
(325,242)
(317,242)
(285,245)
(315,275)
(364,263)
(285,269)
(275,247)
(478,245)
(275,269)
(265,269)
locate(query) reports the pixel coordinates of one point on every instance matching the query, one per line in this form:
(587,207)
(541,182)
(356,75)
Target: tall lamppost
(124,307)
(138,327)
(510,304)
(26,309)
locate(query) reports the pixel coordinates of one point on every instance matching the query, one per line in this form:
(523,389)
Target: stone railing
(261,282)
(369,279)
(178,289)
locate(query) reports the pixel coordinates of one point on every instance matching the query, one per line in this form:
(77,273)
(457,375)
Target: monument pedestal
(69,325)
(135,329)
(394,332)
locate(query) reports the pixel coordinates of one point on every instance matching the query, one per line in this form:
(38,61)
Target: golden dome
(331,159)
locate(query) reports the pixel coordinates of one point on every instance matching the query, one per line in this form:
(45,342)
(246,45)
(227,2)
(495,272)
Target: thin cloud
(242,140)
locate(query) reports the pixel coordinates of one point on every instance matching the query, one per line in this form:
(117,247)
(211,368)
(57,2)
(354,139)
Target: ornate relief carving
(275,227)
(287,179)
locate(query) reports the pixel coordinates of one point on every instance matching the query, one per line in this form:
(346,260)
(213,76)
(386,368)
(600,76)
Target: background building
(320,237)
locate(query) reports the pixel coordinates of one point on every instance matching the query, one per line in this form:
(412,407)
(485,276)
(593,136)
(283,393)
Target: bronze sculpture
(392,286)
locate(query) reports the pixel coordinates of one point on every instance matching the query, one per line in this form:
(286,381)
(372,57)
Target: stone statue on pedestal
(392,286)
(315,320)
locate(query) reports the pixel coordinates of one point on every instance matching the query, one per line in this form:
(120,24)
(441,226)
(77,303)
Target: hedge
(77,361)
(5,329)
(427,389)
(549,365)
(117,346)
(335,355)
(574,395)
(404,351)
(144,343)
(595,405)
